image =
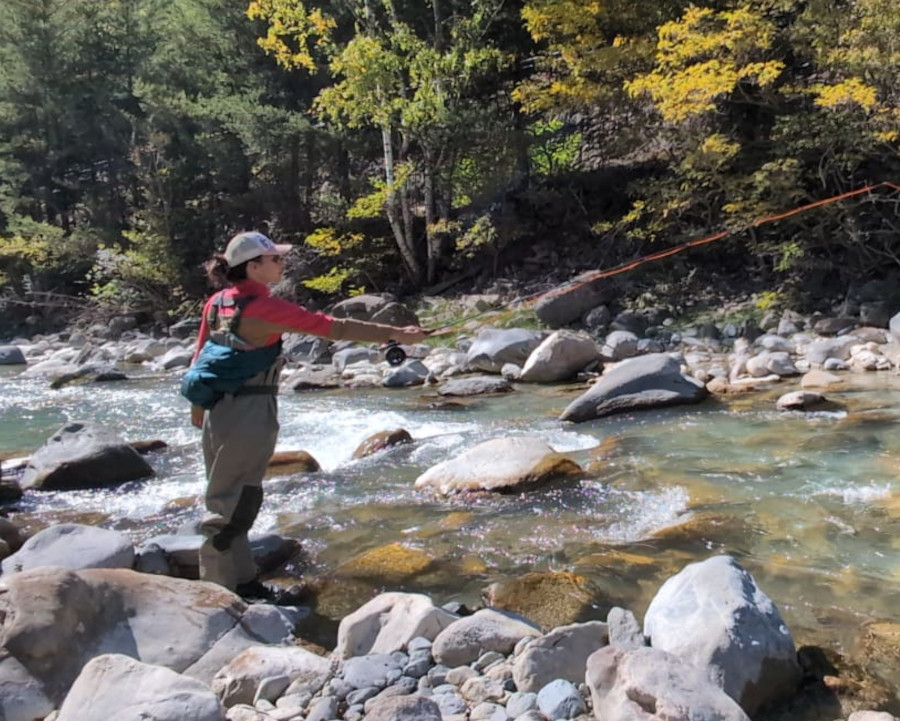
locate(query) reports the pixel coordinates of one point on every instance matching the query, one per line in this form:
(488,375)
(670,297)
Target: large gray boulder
(492,348)
(567,303)
(646,684)
(489,629)
(649,381)
(73,546)
(820,351)
(713,615)
(388,622)
(360,307)
(560,357)
(83,455)
(561,653)
(113,686)
(238,681)
(501,464)
(11,355)
(55,621)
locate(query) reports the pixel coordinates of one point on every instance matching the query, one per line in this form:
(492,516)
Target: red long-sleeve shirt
(273,316)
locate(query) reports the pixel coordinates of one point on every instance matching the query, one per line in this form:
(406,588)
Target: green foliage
(346,247)
(769,300)
(139,273)
(552,150)
(479,236)
(332,282)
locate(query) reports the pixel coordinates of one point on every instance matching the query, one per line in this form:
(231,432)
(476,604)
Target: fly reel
(393,353)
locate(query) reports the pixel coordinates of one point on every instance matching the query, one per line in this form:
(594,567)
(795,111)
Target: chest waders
(239,436)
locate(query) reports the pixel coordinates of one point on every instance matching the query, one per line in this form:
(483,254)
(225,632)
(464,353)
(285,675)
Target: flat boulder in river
(649,381)
(83,455)
(501,464)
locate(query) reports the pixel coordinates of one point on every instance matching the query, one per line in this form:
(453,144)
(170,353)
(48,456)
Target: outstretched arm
(360,330)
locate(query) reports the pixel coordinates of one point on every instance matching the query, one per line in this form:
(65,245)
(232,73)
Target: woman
(240,427)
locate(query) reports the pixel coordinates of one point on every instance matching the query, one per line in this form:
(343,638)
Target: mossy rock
(549,599)
(393,564)
(701,529)
(832,688)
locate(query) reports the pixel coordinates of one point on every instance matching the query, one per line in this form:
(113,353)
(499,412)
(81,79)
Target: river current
(809,503)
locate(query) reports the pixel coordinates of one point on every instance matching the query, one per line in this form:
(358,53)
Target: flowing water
(809,503)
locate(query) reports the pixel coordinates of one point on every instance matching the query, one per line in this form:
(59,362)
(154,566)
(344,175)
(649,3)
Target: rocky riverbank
(102,643)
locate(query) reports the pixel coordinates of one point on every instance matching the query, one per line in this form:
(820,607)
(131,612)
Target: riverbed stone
(493,347)
(312,377)
(713,615)
(11,355)
(22,695)
(819,351)
(567,303)
(466,639)
(404,708)
(412,373)
(647,684)
(381,441)
(560,654)
(648,381)
(55,620)
(238,682)
(389,622)
(285,463)
(114,686)
(501,464)
(393,563)
(73,546)
(259,624)
(355,354)
(560,699)
(377,670)
(800,401)
(83,454)
(559,357)
(473,386)
(550,599)
(818,378)
(624,629)
(619,345)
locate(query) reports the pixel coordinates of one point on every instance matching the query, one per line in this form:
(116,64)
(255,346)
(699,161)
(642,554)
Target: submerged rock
(382,440)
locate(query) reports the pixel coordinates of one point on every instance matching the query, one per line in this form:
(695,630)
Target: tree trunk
(432,238)
(397,212)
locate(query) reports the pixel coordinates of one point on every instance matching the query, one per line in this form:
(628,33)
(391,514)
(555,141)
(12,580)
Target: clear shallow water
(809,503)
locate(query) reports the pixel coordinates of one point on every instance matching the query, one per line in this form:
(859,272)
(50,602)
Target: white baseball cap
(250,245)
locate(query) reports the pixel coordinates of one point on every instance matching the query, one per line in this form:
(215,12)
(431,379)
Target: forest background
(405,145)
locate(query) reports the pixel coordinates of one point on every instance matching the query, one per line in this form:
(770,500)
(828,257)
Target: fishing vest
(226,362)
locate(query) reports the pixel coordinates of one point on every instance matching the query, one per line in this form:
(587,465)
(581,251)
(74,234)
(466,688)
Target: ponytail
(221,275)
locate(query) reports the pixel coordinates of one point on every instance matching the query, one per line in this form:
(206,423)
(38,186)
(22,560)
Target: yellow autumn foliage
(293,31)
(703,57)
(851,91)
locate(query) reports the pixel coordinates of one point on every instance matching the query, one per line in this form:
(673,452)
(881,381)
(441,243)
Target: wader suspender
(223,301)
(229,335)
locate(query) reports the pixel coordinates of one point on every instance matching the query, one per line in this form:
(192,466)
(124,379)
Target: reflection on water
(809,503)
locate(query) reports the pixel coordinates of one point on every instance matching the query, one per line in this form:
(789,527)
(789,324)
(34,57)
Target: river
(807,502)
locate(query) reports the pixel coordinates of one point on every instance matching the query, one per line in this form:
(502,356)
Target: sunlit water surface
(809,503)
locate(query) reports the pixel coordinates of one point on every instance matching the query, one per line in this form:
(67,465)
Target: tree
(414,79)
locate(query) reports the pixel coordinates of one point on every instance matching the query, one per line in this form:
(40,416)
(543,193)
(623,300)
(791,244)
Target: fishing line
(659,255)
